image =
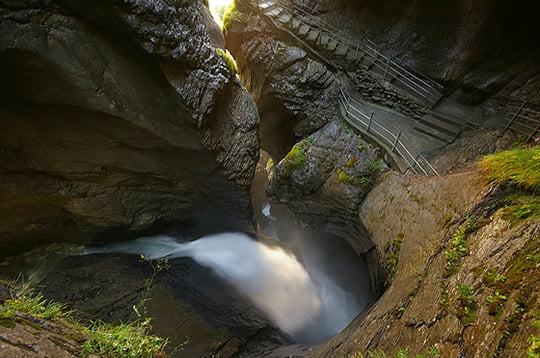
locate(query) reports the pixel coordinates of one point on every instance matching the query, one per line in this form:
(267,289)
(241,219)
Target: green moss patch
(520,166)
(296,158)
(391,255)
(230,15)
(458,246)
(343,177)
(229,60)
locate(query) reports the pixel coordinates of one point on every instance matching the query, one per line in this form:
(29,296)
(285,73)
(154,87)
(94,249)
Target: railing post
(396,141)
(386,69)
(369,121)
(533,133)
(514,117)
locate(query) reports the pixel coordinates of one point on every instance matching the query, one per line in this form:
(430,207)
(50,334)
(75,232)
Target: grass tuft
(519,166)
(131,340)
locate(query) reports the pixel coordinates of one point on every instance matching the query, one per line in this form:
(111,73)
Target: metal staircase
(324,37)
(319,38)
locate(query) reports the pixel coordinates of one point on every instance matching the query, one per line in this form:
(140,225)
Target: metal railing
(524,120)
(386,134)
(377,128)
(361,50)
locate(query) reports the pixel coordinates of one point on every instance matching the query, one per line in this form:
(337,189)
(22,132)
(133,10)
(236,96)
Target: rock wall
(119,117)
(486,306)
(478,49)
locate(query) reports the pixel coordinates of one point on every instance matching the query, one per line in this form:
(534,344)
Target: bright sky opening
(218,9)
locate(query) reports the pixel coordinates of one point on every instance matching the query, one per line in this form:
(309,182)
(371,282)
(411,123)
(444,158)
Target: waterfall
(306,305)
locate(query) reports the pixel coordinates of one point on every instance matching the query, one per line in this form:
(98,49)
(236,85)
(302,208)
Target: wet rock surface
(119,117)
(324,179)
(478,50)
(187,302)
(426,307)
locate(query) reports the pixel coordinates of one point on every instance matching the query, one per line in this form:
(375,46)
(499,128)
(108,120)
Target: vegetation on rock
(458,246)
(230,15)
(229,60)
(391,251)
(521,168)
(296,158)
(402,353)
(125,340)
(346,178)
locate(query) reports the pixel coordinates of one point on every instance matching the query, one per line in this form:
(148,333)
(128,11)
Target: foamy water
(307,307)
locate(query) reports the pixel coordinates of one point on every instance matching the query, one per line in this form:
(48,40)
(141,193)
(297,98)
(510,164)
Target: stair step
(341,50)
(303,30)
(284,18)
(433,133)
(267,4)
(447,119)
(324,40)
(332,44)
(295,24)
(312,35)
(441,125)
(275,12)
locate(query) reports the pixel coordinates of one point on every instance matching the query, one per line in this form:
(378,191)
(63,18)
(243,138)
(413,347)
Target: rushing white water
(310,307)
(270,277)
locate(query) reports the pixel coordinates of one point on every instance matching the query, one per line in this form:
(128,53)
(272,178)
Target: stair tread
(441,137)
(284,18)
(448,118)
(267,4)
(439,125)
(274,12)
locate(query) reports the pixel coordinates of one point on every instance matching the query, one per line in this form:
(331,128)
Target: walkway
(403,138)
(325,38)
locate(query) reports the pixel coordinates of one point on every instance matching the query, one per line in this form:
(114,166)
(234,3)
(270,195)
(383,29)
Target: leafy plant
(376,165)
(467,308)
(458,246)
(495,303)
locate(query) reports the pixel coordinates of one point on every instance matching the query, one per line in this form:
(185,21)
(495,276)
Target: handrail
(374,126)
(385,133)
(522,120)
(392,68)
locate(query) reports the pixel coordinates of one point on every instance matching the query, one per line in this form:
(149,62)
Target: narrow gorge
(279,178)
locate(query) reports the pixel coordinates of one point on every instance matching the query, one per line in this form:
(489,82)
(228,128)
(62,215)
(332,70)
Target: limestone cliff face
(117,117)
(485,305)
